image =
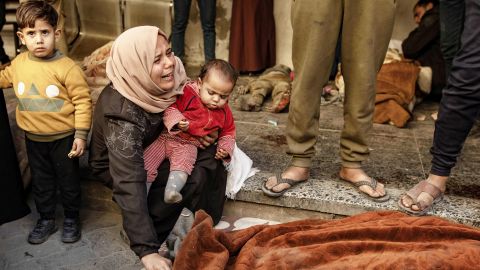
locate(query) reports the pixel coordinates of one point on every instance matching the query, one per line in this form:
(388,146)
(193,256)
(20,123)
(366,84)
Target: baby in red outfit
(202,109)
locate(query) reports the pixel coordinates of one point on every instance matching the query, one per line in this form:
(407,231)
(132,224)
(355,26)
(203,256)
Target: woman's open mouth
(168,77)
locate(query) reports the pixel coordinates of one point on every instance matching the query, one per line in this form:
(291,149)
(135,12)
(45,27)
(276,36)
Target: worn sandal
(373,184)
(426,187)
(280,180)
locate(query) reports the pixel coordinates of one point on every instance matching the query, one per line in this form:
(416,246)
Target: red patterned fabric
(181,155)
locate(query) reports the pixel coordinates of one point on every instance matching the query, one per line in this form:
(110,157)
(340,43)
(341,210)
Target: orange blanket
(374,240)
(395,91)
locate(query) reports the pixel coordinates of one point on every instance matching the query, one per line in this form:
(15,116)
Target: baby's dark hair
(30,11)
(221,65)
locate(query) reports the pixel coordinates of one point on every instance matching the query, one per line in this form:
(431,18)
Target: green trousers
(365,27)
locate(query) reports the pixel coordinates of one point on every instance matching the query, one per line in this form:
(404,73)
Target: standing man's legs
(316,26)
(459,108)
(181,9)
(207,17)
(367,28)
(369,25)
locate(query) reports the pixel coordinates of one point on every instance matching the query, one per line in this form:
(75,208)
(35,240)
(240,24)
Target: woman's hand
(78,148)
(209,139)
(156,262)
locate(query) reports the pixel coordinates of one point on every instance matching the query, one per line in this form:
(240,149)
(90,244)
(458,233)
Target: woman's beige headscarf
(129,66)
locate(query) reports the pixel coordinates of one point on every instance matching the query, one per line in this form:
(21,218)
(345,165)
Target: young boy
(202,109)
(54,110)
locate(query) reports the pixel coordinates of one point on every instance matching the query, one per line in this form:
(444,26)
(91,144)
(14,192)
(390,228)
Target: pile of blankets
(374,240)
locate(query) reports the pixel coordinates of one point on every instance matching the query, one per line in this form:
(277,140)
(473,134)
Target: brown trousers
(365,27)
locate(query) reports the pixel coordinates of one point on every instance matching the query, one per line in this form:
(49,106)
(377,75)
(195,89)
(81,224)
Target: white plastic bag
(239,169)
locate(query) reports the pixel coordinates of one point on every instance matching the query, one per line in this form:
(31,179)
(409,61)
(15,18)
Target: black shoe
(71,230)
(41,232)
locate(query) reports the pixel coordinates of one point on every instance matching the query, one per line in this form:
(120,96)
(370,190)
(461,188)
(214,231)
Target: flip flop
(422,186)
(373,185)
(280,180)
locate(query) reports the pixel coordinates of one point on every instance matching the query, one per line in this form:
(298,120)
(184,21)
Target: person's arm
(171,119)
(6,77)
(79,94)
(420,38)
(226,141)
(125,151)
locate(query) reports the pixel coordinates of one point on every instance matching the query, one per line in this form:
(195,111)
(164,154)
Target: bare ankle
(297,173)
(438,181)
(346,172)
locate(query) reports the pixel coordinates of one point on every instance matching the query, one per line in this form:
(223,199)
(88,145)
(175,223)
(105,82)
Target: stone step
(317,198)
(338,198)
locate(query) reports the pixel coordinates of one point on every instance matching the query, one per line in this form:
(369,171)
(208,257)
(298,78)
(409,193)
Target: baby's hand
(183,125)
(78,148)
(221,154)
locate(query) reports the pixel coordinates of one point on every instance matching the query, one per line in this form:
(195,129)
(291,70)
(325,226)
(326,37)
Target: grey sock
(176,181)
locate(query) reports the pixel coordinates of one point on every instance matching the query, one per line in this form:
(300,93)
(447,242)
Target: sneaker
(41,232)
(71,230)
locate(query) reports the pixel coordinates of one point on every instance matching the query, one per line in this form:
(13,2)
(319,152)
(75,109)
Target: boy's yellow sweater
(53,97)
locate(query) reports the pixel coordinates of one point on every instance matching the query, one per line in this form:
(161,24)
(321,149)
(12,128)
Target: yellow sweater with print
(53,96)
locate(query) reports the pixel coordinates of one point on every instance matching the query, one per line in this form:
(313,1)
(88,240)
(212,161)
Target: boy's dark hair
(424,3)
(30,11)
(223,66)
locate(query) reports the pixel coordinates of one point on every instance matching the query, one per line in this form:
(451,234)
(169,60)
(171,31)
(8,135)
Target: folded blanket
(395,92)
(374,240)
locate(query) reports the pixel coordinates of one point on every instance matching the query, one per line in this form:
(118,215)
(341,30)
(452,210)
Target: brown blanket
(395,92)
(374,240)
